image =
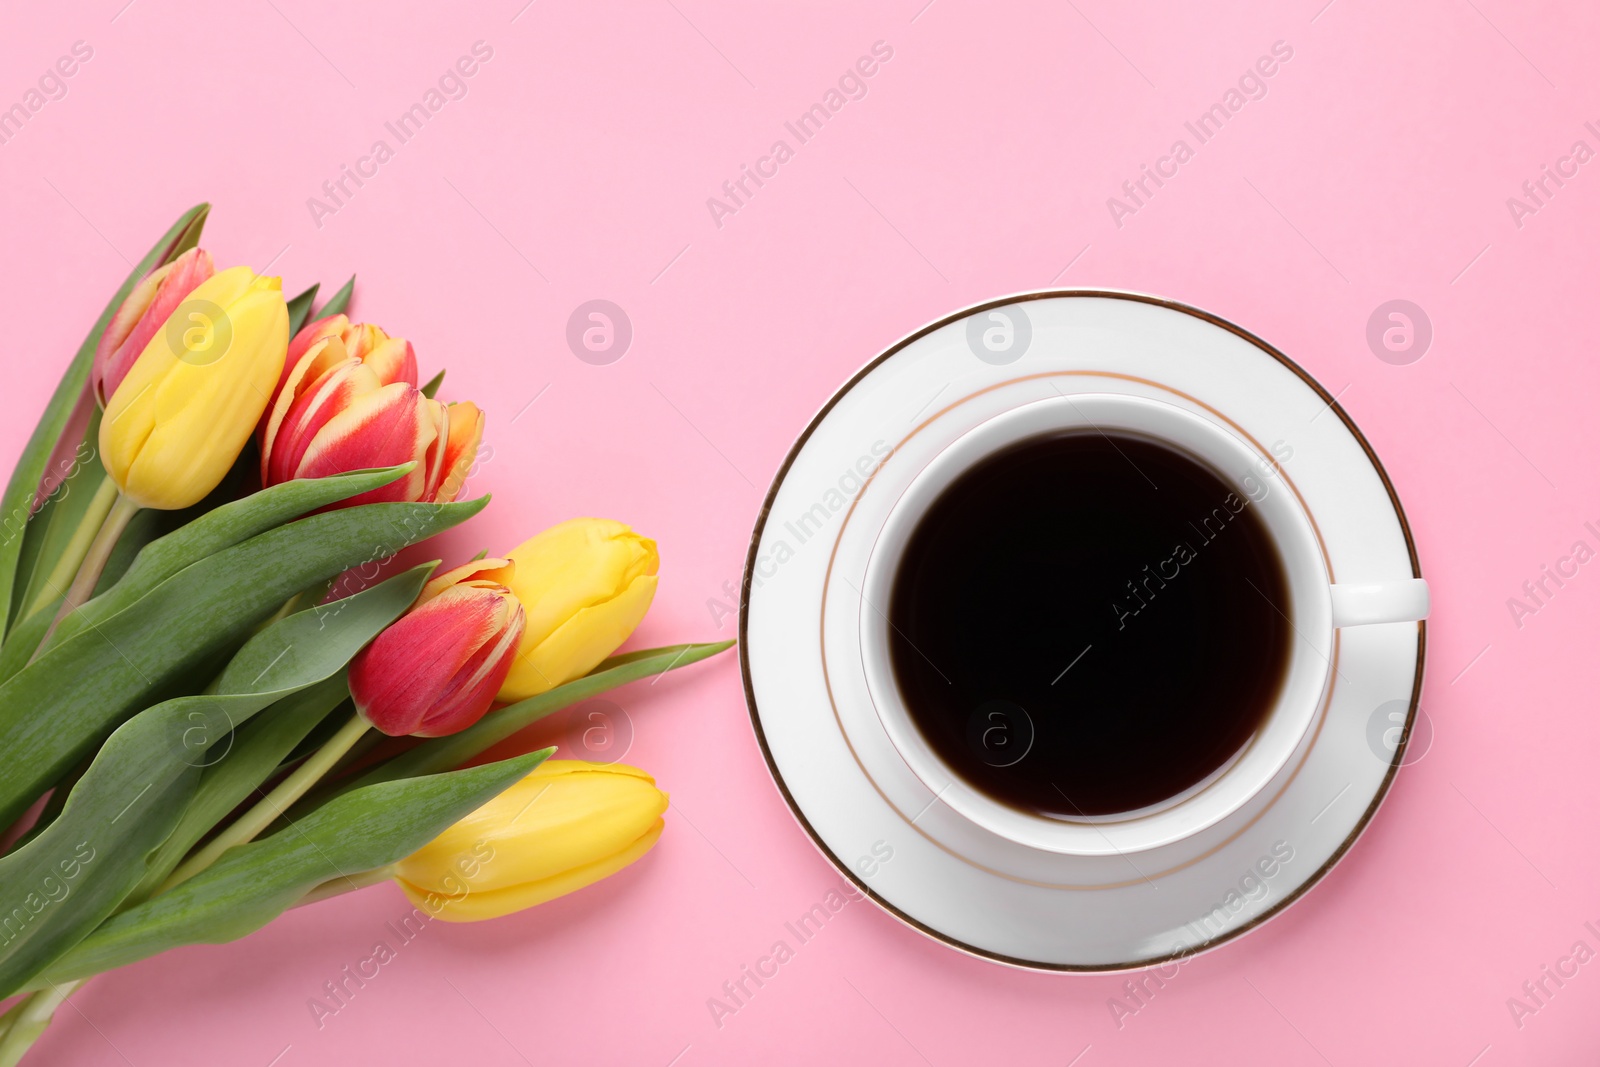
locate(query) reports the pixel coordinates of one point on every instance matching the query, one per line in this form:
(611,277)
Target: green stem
(30,1022)
(72,556)
(289,607)
(258,818)
(94,561)
(301,600)
(349,884)
(356,754)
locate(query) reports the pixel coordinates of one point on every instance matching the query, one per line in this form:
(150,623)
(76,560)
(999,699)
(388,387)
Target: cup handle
(1364,604)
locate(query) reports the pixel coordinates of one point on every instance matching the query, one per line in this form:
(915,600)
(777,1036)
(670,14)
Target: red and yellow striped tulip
(436,669)
(145,311)
(348,400)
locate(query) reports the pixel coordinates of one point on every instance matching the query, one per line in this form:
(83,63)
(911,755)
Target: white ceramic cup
(1315,609)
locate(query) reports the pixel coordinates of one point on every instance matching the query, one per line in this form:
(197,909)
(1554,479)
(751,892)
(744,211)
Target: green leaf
(190,237)
(339,302)
(73,501)
(441,753)
(28,554)
(431,390)
(150,524)
(59,707)
(249,757)
(52,805)
(252,884)
(24,638)
(17,502)
(218,529)
(33,539)
(52,897)
(143,779)
(300,309)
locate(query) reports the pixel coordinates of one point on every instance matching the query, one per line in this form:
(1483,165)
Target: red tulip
(436,669)
(145,311)
(348,400)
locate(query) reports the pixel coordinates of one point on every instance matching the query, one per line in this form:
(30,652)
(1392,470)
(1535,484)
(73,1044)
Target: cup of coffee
(1102,623)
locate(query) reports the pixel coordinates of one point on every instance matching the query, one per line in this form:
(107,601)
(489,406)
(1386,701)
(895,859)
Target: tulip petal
(437,417)
(392,359)
(432,660)
(477,905)
(310,334)
(461,449)
(551,822)
(323,420)
(317,348)
(363,337)
(480,571)
(576,564)
(471,689)
(146,310)
(381,428)
(302,375)
(323,383)
(580,643)
(176,423)
(132,310)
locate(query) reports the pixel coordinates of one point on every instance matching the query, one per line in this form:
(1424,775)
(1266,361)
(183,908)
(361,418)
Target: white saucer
(855,796)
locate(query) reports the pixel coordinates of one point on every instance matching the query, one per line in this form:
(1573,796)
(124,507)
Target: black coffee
(1090,623)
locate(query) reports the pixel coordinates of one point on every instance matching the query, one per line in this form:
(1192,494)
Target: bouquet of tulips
(199,664)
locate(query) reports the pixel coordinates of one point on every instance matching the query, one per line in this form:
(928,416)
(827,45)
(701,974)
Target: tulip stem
(338,887)
(116,520)
(72,556)
(271,806)
(11,1016)
(33,1014)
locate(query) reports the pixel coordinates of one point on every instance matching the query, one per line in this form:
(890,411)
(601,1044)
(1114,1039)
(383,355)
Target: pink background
(979,163)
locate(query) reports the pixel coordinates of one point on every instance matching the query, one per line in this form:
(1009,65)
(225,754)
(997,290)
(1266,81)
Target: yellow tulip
(585,585)
(565,826)
(191,400)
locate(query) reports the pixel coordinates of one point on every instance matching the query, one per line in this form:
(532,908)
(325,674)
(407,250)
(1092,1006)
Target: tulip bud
(585,584)
(436,669)
(465,423)
(175,423)
(565,826)
(146,309)
(348,400)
